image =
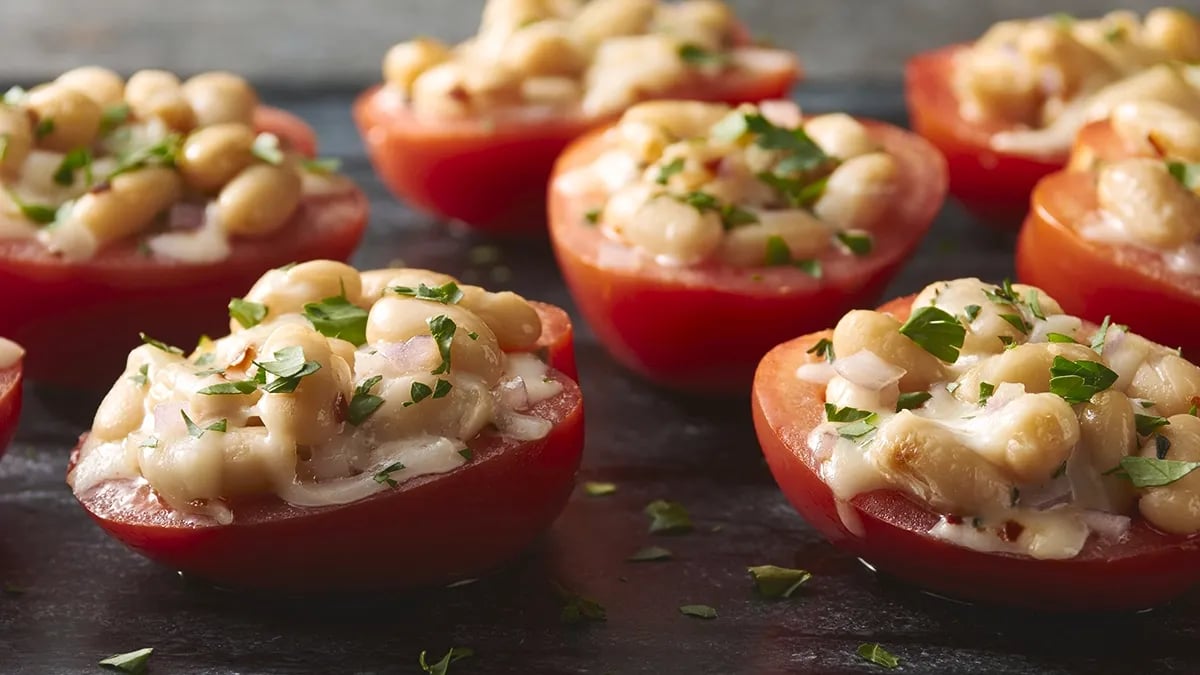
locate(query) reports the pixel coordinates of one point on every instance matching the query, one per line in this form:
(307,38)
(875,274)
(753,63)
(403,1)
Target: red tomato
(429,530)
(558,339)
(492,173)
(1144,569)
(993,185)
(78,320)
(10,403)
(1093,279)
(704,328)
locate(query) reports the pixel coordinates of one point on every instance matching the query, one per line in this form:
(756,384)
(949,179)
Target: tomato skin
(1145,569)
(1095,279)
(702,330)
(994,186)
(557,339)
(493,176)
(78,321)
(10,403)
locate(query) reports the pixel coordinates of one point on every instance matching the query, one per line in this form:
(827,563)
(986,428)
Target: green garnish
(971,311)
(592,216)
(1035,305)
(266,148)
(731,215)
(699,56)
(577,609)
(778,254)
(337,317)
(846,414)
(936,331)
(1146,424)
(857,423)
(41,214)
(419,391)
(1059,337)
(1101,335)
(79,158)
(248,314)
(141,377)
(1152,471)
(447,294)
(384,475)
(223,388)
(858,243)
(133,662)
(800,193)
(196,431)
(289,367)
(158,344)
(4,141)
(364,403)
(986,389)
(650,554)
(1078,381)
(163,153)
(1187,173)
(912,400)
(323,166)
(442,667)
(667,517)
(442,328)
(878,655)
(1017,321)
(599,489)
(112,117)
(777,582)
(699,611)
(669,169)
(804,153)
(823,348)
(44,128)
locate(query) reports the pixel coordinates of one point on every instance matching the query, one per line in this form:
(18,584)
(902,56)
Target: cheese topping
(1049,76)
(90,160)
(332,386)
(596,57)
(1027,432)
(692,183)
(10,353)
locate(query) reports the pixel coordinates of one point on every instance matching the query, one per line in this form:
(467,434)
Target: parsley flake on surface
(936,331)
(1145,472)
(442,328)
(158,344)
(1187,173)
(777,582)
(112,117)
(592,216)
(858,243)
(650,554)
(986,389)
(467,454)
(823,348)
(5,139)
(142,376)
(337,317)
(778,254)
(448,293)
(1078,381)
(41,214)
(667,517)
(699,611)
(669,169)
(912,400)
(133,662)
(1147,424)
(289,367)
(443,666)
(856,423)
(598,489)
(248,314)
(384,475)
(266,147)
(226,388)
(44,128)
(577,609)
(878,655)
(1018,322)
(196,431)
(75,160)
(699,56)
(363,404)
(1101,335)
(1059,337)
(971,311)
(321,167)
(419,391)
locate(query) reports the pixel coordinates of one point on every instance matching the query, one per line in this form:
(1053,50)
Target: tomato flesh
(994,186)
(492,174)
(1095,279)
(10,404)
(1144,569)
(703,329)
(558,339)
(79,320)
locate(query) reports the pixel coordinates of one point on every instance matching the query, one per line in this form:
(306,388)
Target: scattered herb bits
(599,489)
(936,331)
(668,517)
(364,403)
(651,554)
(1146,472)
(872,652)
(577,609)
(699,611)
(777,582)
(133,662)
(442,666)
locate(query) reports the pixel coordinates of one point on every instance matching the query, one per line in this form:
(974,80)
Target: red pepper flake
(1011,531)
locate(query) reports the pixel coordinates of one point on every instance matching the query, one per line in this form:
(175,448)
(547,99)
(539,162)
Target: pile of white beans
(974,468)
(274,440)
(643,211)
(601,55)
(1029,72)
(213,116)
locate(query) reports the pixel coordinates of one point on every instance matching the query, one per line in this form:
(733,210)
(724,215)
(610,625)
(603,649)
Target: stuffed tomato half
(144,205)
(976,441)
(383,430)
(471,133)
(1005,109)
(694,237)
(1118,233)
(11,356)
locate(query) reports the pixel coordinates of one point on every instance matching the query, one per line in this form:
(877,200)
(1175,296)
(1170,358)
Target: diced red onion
(1054,493)
(821,443)
(1004,394)
(167,419)
(417,353)
(522,427)
(513,394)
(1107,525)
(185,216)
(865,369)
(817,373)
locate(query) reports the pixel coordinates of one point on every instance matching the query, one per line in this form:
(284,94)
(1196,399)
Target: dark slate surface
(85,597)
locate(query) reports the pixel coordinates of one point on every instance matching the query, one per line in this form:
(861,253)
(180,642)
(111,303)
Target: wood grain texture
(319,41)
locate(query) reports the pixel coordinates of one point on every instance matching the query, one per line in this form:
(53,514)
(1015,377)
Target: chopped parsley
(44,128)
(223,388)
(599,489)
(699,611)
(1101,335)
(163,153)
(846,414)
(157,344)
(804,153)
(986,389)
(4,141)
(321,167)
(878,655)
(732,215)
(112,117)
(779,254)
(1035,305)
(577,609)
(363,404)
(337,317)
(42,214)
(384,475)
(467,454)
(442,328)
(443,666)
(1059,337)
(823,348)
(1147,424)
(133,662)
(196,431)
(936,331)
(669,169)
(248,314)
(799,192)
(1152,471)
(142,376)
(1078,381)
(289,367)
(777,582)
(448,293)
(699,56)
(75,160)
(857,423)
(912,400)
(971,311)
(1187,173)
(266,148)
(1018,322)
(667,517)
(650,554)
(858,243)
(592,216)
